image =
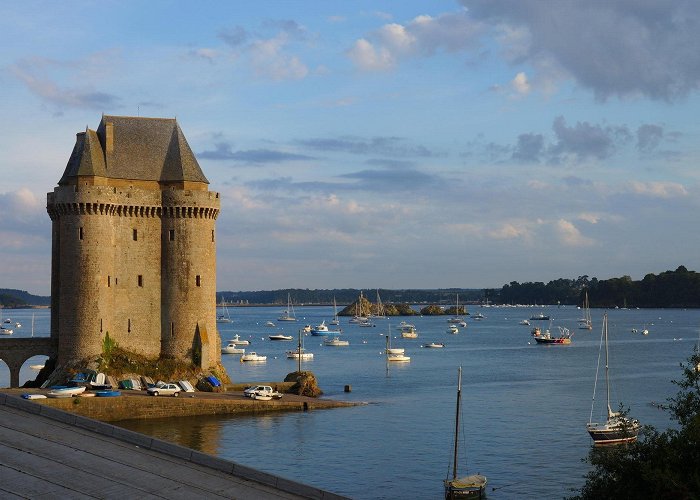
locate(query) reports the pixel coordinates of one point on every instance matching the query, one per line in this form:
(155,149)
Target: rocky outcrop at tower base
(305,384)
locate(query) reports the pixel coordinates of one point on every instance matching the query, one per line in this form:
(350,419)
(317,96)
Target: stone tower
(134,245)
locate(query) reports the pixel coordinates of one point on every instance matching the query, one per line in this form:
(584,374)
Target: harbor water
(525,406)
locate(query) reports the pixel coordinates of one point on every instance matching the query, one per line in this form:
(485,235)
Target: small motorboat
(335,341)
(296,354)
(525,322)
(33,396)
(453,329)
(65,392)
(6,331)
(108,393)
(280,336)
(409,332)
(232,348)
(434,345)
(270,324)
(253,356)
(237,340)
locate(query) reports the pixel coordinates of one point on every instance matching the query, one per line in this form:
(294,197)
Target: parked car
(164,390)
(261,390)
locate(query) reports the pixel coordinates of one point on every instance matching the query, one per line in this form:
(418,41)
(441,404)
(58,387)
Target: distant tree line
(344,296)
(679,288)
(12,298)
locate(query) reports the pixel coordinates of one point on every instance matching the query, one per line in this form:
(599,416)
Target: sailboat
(224,317)
(288,314)
(457,319)
(585,323)
(300,353)
(394,354)
(617,428)
(380,308)
(358,317)
(335,321)
(472,486)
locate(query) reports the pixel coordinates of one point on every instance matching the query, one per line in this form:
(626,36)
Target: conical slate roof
(125,147)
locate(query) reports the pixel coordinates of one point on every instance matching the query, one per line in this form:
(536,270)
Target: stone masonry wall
(116,270)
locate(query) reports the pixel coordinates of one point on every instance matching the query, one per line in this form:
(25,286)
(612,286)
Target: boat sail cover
(467,482)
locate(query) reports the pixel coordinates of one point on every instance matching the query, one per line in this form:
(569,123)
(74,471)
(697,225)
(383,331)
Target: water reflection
(203,433)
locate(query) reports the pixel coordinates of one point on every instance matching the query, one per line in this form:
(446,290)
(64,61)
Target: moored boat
(395,354)
(288,314)
(409,332)
(238,341)
(65,392)
(434,345)
(253,356)
(453,329)
(280,336)
(335,341)
(616,428)
(474,485)
(300,353)
(232,348)
(322,329)
(546,337)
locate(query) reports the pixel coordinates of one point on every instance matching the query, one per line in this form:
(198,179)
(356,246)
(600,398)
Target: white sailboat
(456,319)
(224,316)
(358,317)
(300,353)
(586,323)
(616,428)
(380,308)
(288,314)
(472,486)
(396,353)
(335,321)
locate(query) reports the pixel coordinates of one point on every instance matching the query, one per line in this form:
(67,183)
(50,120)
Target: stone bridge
(14,352)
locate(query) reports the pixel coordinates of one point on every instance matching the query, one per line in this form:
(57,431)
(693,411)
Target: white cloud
(589,217)
(268,60)
(520,84)
(421,37)
(368,58)
(508,231)
(569,235)
(658,189)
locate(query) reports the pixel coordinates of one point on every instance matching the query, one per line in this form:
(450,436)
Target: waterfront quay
(138,405)
(52,453)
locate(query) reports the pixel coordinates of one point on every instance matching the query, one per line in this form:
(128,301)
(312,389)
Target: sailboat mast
(607,378)
(459,397)
(299,353)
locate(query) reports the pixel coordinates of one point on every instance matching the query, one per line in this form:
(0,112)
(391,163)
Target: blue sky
(378,144)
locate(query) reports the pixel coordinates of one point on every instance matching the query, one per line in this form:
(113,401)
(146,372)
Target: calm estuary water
(524,412)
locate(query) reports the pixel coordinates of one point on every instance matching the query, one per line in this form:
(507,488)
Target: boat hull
(603,434)
(560,341)
(469,487)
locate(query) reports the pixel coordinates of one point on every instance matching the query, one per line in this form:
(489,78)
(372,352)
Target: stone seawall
(137,405)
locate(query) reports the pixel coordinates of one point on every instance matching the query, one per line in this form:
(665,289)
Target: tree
(662,465)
